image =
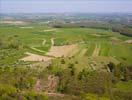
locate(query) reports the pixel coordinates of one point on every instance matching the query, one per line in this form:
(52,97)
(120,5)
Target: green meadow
(111,44)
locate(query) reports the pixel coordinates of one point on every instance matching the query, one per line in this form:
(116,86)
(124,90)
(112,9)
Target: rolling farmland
(56,55)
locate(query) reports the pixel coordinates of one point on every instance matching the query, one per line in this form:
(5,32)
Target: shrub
(32,95)
(7,92)
(62,61)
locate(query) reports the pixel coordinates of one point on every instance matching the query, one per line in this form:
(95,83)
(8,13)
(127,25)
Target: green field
(33,38)
(84,73)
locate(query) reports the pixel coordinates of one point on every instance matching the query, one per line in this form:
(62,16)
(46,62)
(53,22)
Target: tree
(128,73)
(111,66)
(72,68)
(62,61)
(94,81)
(117,72)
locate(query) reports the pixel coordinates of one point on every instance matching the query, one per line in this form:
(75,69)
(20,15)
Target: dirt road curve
(52,41)
(44,41)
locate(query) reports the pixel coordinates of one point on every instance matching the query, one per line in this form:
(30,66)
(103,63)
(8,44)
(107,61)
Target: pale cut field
(35,57)
(13,22)
(59,51)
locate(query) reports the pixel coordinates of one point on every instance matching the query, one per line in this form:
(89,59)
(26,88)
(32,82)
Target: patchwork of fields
(91,43)
(58,61)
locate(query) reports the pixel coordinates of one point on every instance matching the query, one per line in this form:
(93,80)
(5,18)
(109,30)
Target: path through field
(44,41)
(38,50)
(35,49)
(52,41)
(96,50)
(55,51)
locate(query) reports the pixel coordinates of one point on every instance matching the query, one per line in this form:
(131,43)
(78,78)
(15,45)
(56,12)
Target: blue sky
(60,6)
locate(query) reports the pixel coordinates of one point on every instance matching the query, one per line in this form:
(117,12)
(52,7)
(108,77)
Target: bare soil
(61,51)
(35,57)
(38,86)
(128,41)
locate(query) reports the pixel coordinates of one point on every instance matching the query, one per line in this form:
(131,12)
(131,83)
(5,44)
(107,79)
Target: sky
(61,6)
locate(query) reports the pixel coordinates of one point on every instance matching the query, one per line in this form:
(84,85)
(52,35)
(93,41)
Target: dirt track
(96,50)
(33,48)
(44,41)
(52,41)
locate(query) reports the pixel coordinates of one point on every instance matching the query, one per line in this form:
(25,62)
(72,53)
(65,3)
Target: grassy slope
(124,86)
